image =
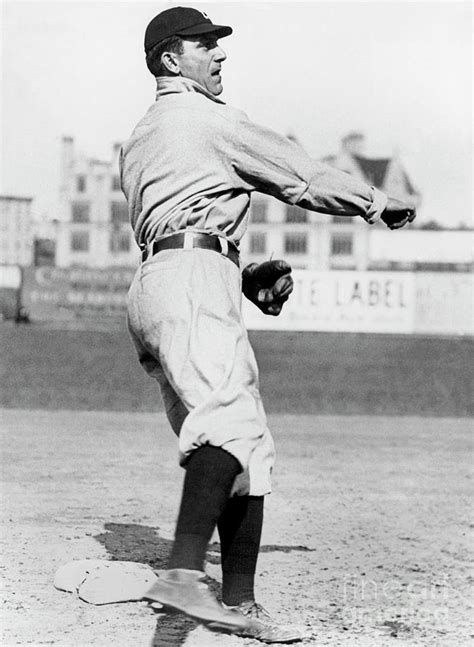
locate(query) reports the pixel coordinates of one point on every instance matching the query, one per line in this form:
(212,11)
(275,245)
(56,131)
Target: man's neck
(180,84)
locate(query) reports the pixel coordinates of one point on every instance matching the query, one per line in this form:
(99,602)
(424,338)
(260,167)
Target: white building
(305,239)
(16,234)
(320,242)
(386,173)
(93,228)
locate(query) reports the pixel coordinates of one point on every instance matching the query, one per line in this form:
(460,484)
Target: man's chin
(214,85)
(217,89)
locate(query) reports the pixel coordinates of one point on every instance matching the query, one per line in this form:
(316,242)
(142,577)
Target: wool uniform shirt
(192,162)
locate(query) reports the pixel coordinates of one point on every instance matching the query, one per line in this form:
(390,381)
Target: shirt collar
(179,85)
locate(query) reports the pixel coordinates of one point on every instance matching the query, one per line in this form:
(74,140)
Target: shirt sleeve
(262,160)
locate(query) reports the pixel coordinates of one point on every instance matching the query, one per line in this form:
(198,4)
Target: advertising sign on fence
(344,301)
(444,303)
(50,291)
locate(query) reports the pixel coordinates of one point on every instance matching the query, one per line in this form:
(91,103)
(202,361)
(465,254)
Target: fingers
(269,271)
(273,298)
(410,215)
(265,295)
(396,217)
(282,266)
(283,287)
(274,309)
(398,225)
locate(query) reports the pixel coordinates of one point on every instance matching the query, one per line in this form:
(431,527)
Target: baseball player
(188,171)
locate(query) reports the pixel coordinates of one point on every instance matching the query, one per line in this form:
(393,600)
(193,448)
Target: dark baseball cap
(181,21)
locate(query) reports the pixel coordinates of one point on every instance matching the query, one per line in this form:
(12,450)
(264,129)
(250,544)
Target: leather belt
(191,240)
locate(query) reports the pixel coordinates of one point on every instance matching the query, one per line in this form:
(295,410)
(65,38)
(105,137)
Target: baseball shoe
(264,627)
(184,590)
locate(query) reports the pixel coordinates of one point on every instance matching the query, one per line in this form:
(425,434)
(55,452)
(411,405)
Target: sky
(398,71)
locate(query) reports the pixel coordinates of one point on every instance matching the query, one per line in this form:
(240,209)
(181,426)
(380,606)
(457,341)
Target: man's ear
(169,60)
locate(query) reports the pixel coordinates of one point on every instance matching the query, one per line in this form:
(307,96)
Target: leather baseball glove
(268,285)
(397,214)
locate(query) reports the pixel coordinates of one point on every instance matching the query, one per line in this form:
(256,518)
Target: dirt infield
(366,540)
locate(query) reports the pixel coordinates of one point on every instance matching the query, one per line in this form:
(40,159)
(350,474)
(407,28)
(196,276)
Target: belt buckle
(223,242)
(188,240)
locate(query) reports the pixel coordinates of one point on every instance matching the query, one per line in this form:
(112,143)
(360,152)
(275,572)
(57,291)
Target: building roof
(15,198)
(408,185)
(374,170)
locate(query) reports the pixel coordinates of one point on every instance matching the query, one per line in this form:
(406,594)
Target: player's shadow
(136,543)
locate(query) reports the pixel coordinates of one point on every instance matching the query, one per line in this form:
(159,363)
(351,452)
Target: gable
(374,170)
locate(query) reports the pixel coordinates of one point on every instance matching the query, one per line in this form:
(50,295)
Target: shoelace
(256,610)
(270,629)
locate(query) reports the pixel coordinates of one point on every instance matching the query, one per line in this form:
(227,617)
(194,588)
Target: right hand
(397,214)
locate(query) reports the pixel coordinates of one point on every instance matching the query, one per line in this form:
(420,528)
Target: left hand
(268,285)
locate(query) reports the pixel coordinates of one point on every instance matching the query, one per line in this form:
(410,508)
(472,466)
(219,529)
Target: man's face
(201,61)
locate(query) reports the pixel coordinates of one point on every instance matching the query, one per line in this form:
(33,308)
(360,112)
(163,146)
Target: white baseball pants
(184,315)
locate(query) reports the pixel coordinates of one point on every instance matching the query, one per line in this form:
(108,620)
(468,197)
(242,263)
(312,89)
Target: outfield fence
(345,301)
(378,302)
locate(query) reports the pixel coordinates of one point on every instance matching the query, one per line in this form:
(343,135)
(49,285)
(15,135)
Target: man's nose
(220,54)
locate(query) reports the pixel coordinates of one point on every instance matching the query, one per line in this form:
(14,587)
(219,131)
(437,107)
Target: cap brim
(205,28)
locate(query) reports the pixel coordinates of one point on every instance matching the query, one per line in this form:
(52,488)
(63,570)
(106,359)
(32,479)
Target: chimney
(67,165)
(354,143)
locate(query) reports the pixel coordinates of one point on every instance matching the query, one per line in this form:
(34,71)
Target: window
(80,212)
(295,214)
(296,243)
(258,243)
(81,183)
(341,245)
(118,212)
(258,211)
(119,242)
(116,183)
(44,252)
(342,220)
(80,241)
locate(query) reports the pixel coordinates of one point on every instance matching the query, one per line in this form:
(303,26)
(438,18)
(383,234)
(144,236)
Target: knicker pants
(184,315)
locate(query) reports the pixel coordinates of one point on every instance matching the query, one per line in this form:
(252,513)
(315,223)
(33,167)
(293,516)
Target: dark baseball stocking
(210,474)
(240,530)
